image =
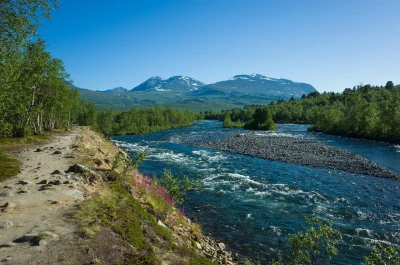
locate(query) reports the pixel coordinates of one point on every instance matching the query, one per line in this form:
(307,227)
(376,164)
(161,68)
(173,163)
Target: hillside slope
(189,93)
(59,212)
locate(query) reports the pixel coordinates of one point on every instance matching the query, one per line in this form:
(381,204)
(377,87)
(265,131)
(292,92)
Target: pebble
(42,242)
(55,182)
(6,193)
(299,151)
(161,224)
(221,246)
(43,182)
(23,182)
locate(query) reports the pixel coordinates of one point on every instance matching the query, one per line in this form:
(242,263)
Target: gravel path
(299,151)
(33,205)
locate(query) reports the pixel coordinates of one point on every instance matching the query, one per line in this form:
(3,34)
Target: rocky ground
(37,206)
(34,203)
(299,151)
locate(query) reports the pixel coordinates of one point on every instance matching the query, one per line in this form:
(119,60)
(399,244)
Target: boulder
(221,246)
(77,168)
(43,182)
(198,245)
(23,182)
(55,182)
(161,224)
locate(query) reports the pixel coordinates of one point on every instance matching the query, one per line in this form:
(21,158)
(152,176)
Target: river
(252,204)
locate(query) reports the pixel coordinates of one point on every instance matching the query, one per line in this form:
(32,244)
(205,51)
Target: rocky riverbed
(299,151)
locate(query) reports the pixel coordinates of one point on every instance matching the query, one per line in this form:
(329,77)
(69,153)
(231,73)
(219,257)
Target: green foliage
(371,112)
(194,258)
(383,255)
(144,120)
(316,245)
(128,164)
(261,120)
(105,122)
(20,19)
(134,121)
(33,96)
(228,123)
(177,187)
(87,114)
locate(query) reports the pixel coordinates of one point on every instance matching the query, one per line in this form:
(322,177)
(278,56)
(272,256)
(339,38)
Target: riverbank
(299,151)
(68,205)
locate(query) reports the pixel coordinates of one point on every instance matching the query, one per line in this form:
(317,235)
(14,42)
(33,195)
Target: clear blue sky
(331,44)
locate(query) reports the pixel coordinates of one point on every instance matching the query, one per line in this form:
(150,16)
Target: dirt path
(33,205)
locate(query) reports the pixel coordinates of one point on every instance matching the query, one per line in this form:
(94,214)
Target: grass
(10,166)
(114,207)
(12,144)
(134,224)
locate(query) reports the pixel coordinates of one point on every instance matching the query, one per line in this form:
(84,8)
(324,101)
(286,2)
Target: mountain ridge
(189,93)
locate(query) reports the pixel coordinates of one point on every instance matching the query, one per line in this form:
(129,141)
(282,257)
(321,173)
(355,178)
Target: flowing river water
(253,205)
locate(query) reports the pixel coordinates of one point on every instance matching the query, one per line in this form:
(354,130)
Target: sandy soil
(33,224)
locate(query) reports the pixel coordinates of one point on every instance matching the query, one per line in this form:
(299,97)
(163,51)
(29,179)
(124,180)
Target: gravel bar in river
(299,151)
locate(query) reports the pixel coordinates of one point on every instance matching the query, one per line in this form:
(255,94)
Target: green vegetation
(130,210)
(33,96)
(9,167)
(261,120)
(117,209)
(371,112)
(315,246)
(250,117)
(178,187)
(318,244)
(137,121)
(383,255)
(228,123)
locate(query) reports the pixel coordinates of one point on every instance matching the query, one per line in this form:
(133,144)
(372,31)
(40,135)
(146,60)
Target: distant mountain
(175,83)
(258,84)
(189,93)
(117,90)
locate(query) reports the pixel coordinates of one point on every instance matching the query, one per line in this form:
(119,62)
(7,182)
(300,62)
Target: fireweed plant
(165,194)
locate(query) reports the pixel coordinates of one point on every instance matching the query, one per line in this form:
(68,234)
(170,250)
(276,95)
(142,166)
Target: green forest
(365,111)
(33,96)
(134,121)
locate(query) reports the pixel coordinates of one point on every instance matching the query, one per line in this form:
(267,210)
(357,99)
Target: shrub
(317,244)
(383,255)
(177,187)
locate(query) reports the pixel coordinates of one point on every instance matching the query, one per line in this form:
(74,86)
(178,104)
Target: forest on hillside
(365,111)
